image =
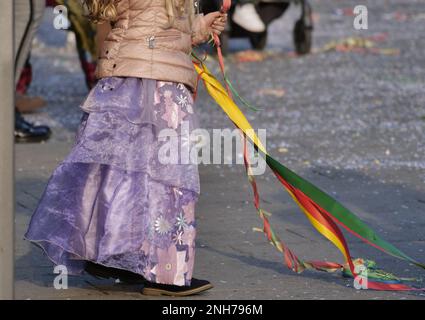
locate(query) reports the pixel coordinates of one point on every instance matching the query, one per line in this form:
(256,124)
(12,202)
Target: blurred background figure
(85,36)
(28,15)
(247,17)
(23,102)
(252,18)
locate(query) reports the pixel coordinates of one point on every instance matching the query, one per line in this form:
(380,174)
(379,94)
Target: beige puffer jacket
(142,45)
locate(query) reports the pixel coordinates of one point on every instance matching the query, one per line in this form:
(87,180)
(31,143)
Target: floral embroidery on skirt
(111,201)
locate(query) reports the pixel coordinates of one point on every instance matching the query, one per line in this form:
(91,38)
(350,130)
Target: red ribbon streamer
(224,9)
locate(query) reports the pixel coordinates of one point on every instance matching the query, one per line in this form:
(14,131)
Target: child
(112,208)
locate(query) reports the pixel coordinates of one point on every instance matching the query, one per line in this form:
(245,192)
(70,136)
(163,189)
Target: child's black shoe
(196,287)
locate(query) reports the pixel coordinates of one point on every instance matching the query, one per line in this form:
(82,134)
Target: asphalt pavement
(349,117)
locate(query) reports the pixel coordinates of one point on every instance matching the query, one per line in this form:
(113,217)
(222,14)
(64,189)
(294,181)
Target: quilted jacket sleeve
(200,30)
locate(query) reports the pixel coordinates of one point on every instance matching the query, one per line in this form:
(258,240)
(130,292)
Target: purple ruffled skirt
(112,201)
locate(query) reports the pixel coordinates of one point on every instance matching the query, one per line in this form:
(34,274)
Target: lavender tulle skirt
(112,201)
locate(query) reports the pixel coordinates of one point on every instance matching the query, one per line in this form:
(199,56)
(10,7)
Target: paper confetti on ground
(250,56)
(360,45)
(275,92)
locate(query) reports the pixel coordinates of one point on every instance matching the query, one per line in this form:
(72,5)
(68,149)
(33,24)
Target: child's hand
(216,21)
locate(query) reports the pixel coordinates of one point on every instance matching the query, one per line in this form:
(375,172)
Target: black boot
(100,271)
(149,288)
(27,132)
(197,286)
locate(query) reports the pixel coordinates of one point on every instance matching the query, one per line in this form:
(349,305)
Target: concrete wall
(6,151)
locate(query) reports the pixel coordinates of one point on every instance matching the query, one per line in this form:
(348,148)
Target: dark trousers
(248,1)
(28,15)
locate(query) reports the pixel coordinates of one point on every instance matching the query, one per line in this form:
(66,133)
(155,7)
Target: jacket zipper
(153,38)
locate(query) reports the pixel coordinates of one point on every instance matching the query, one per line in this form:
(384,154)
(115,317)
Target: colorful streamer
(325,213)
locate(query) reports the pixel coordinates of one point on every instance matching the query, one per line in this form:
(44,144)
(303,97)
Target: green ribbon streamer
(337,210)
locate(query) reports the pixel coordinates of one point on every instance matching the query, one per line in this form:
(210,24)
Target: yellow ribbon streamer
(219,94)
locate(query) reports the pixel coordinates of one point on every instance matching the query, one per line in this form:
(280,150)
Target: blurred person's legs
(85,35)
(23,102)
(28,15)
(247,17)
